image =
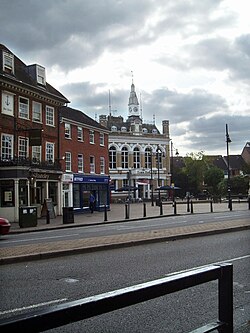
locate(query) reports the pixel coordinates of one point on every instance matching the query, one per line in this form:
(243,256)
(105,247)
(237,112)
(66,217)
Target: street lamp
(151,177)
(172,165)
(158,155)
(228,140)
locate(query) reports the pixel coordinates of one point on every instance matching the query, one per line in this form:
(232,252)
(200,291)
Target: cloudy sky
(190,61)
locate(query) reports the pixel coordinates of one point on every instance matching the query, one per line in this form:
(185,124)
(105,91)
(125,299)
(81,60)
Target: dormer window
(8,63)
(40,75)
(113,129)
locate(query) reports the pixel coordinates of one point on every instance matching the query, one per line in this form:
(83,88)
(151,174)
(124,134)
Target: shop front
(24,187)
(84,186)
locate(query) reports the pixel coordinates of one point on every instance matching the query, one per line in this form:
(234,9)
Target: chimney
(165,128)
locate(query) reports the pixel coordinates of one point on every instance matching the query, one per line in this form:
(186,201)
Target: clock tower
(133,104)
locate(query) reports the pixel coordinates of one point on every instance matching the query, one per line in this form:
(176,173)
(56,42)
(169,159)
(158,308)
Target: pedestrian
(91,203)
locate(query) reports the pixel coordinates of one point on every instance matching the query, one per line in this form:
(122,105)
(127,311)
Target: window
(8,62)
(67,161)
(8,103)
(49,154)
(159,159)
(22,147)
(91,136)
(148,158)
(36,154)
(101,139)
(40,72)
(80,163)
(79,133)
(36,112)
(124,158)
(23,108)
(112,157)
(102,165)
(7,193)
(6,147)
(50,119)
(137,162)
(92,164)
(67,131)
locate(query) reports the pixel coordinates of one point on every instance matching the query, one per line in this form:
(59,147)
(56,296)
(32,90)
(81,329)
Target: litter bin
(27,216)
(68,215)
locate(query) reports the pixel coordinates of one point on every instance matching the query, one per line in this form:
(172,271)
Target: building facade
(84,158)
(29,158)
(139,155)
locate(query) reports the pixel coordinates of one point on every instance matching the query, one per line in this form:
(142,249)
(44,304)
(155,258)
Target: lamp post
(228,140)
(158,171)
(151,176)
(172,165)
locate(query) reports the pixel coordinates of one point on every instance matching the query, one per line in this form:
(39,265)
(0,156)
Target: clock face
(135,109)
(130,109)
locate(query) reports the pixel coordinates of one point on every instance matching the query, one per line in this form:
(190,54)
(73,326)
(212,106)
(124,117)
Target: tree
(195,167)
(212,177)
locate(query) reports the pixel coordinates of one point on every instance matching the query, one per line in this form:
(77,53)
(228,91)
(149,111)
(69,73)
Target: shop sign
(89,179)
(67,177)
(39,175)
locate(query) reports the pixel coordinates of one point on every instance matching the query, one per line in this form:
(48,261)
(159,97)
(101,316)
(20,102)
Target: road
(120,228)
(32,285)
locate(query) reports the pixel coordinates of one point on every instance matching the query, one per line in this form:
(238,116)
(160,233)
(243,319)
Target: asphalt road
(35,284)
(119,228)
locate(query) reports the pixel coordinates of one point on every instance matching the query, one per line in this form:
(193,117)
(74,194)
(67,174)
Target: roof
(22,75)
(80,117)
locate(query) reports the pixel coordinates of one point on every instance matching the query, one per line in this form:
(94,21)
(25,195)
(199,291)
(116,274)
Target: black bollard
(192,208)
(211,206)
(249,203)
(230,205)
(175,208)
(105,214)
(126,212)
(161,208)
(188,204)
(144,209)
(47,217)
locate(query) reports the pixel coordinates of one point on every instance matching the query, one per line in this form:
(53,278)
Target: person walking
(91,202)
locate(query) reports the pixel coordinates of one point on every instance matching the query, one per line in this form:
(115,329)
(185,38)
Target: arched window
(124,156)
(148,158)
(112,157)
(137,160)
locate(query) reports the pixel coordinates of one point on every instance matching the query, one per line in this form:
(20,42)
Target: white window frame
(23,147)
(40,75)
(102,165)
(50,116)
(124,157)
(91,136)
(68,160)
(50,152)
(67,131)
(7,144)
(36,112)
(23,107)
(112,157)
(137,158)
(36,154)
(8,62)
(102,139)
(79,133)
(92,164)
(80,164)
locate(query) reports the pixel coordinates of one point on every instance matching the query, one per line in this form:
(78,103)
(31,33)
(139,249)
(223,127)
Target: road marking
(33,306)
(166,224)
(41,238)
(212,263)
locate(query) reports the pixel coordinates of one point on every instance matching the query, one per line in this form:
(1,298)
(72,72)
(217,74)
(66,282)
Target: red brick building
(29,153)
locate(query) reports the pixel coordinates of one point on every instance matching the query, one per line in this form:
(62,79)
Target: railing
(31,163)
(56,316)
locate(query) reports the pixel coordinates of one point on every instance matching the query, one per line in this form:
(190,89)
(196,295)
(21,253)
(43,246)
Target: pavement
(117,213)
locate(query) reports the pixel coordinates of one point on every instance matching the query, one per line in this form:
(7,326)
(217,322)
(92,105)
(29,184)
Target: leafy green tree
(212,178)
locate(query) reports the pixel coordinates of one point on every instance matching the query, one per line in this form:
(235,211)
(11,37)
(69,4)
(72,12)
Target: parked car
(4,226)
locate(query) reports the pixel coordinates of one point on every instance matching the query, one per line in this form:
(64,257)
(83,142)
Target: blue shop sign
(90,179)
